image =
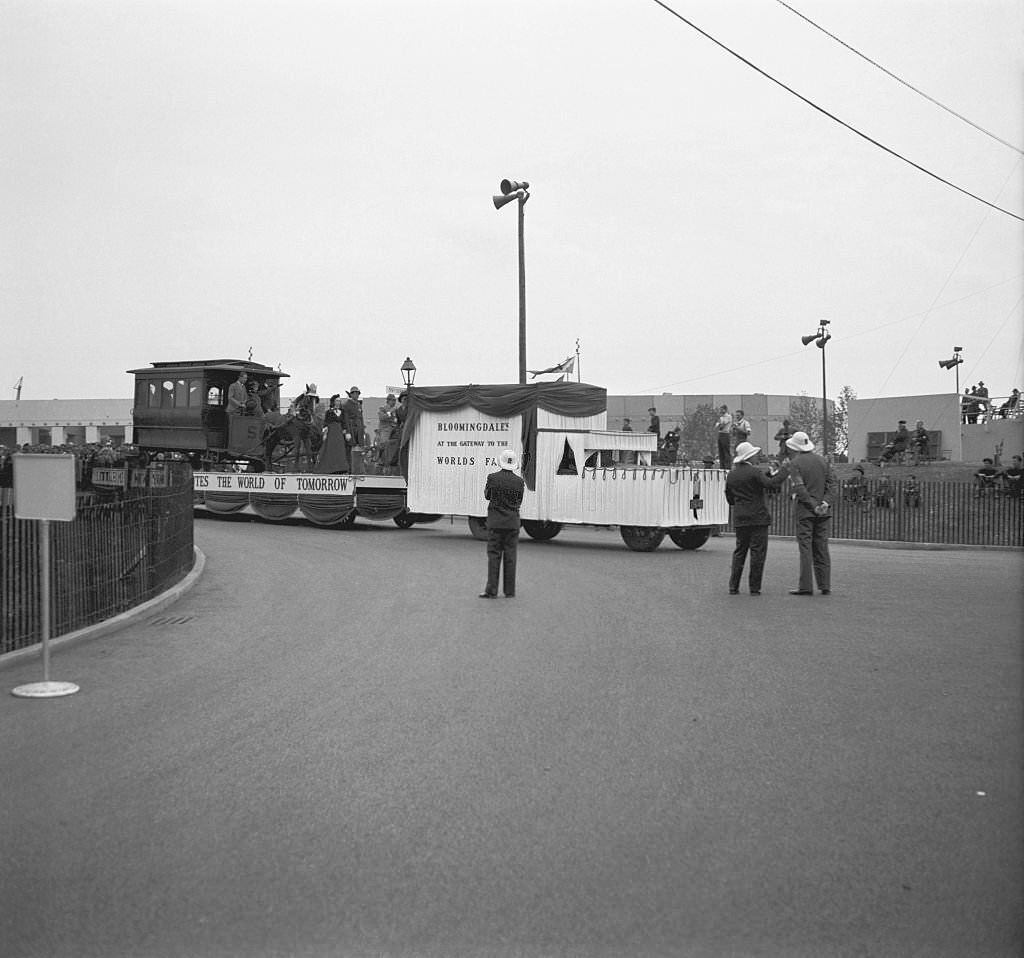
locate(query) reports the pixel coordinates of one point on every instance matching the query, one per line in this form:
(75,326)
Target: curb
(121,620)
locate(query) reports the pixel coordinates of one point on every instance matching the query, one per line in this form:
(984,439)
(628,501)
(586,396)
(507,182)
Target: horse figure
(300,430)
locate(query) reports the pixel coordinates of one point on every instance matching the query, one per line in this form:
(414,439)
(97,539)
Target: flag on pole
(566,367)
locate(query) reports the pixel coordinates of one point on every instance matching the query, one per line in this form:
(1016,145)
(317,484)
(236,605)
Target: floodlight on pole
(820,338)
(517,190)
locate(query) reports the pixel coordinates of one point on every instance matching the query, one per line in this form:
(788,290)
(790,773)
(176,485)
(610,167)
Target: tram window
(181,392)
(154,393)
(195,392)
(167,393)
(215,396)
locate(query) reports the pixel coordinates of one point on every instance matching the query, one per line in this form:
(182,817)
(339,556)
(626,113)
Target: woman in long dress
(333,457)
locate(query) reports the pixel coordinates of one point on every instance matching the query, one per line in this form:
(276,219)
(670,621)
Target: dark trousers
(725,450)
(502,545)
(752,539)
(812,534)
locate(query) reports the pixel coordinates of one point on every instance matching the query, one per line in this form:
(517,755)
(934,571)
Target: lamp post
(408,372)
(514,190)
(954,363)
(819,339)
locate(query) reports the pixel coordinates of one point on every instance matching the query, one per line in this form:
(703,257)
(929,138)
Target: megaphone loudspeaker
(500,201)
(806,340)
(510,186)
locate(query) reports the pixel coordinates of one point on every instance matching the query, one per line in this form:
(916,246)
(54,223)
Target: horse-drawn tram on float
(577,471)
(260,460)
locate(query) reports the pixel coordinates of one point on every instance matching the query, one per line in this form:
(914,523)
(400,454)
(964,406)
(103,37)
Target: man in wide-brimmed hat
(352,423)
(504,494)
(745,488)
(814,486)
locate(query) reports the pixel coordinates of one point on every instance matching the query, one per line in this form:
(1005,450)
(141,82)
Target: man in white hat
(745,488)
(504,494)
(814,486)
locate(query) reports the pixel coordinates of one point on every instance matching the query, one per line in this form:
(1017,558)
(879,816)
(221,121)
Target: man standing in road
(814,486)
(745,487)
(504,494)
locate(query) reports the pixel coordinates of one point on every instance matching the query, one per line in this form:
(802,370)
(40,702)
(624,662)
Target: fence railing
(900,510)
(123,547)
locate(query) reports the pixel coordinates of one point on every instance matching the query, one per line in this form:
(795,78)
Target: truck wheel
(478,528)
(641,538)
(404,520)
(541,529)
(689,538)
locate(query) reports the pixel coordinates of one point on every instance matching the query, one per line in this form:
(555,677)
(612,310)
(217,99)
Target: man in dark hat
(898,446)
(655,423)
(504,494)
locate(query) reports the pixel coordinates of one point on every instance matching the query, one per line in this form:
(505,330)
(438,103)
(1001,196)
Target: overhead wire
(832,116)
(898,79)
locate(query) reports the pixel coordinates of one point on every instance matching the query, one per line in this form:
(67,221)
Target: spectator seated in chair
(985,478)
(1011,479)
(898,447)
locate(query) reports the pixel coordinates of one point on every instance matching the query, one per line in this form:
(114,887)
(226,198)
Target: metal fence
(123,547)
(901,510)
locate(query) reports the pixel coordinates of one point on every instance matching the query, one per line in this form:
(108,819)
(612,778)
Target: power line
(898,79)
(832,116)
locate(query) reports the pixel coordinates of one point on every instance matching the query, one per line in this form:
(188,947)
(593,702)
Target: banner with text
(267,482)
(451,455)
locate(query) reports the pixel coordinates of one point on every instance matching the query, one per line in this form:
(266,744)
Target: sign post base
(44,690)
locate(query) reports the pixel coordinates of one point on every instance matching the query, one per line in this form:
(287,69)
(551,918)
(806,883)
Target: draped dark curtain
(563,399)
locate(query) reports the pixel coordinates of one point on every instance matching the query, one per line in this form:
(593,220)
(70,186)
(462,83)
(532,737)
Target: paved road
(330,747)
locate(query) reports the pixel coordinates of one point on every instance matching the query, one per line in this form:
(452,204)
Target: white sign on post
(44,490)
(44,486)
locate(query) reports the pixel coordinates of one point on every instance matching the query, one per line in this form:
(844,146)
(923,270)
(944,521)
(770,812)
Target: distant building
(56,422)
(871,419)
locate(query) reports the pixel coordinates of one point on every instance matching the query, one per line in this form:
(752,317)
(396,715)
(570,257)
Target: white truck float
(577,471)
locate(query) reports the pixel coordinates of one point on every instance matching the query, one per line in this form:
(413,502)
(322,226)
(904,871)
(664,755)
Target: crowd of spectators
(89,456)
(976,406)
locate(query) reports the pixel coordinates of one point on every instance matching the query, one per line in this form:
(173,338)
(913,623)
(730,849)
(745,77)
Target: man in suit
(745,487)
(814,486)
(238,395)
(504,494)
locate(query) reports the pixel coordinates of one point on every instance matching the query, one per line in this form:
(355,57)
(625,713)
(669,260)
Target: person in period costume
(814,486)
(352,420)
(745,489)
(504,494)
(387,430)
(333,454)
(401,411)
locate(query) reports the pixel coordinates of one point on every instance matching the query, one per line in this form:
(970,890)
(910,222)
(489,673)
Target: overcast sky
(312,180)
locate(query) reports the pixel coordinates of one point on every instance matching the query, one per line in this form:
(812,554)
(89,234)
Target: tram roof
(217,365)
